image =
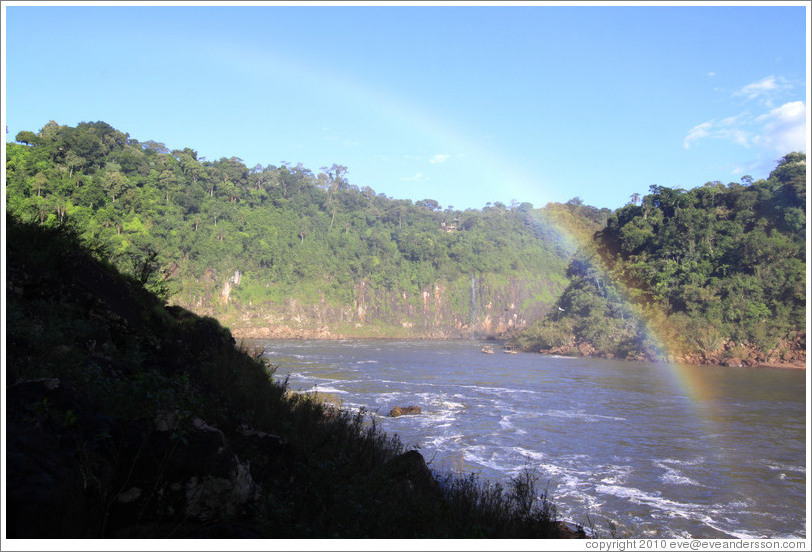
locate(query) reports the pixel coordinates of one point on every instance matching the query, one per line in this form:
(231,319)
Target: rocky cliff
(483,306)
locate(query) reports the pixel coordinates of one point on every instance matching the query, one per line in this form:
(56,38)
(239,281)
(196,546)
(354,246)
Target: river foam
(614,444)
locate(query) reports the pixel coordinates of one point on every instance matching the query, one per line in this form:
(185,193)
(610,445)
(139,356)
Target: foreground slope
(128,419)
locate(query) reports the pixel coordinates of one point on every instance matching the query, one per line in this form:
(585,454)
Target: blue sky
(458,103)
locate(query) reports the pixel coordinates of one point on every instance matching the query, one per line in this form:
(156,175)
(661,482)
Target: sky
(466,104)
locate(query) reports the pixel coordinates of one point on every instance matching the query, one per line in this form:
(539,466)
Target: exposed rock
(73,473)
(586,349)
(247,431)
(410,469)
(212,497)
(266,451)
(565,531)
(52,484)
(501,307)
(789,352)
(282,331)
(404,411)
(232,282)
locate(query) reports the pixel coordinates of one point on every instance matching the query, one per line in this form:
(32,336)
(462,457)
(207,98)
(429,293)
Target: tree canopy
(712,265)
(288,230)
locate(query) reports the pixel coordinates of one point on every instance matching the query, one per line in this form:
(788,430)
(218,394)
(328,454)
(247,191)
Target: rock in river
(404,410)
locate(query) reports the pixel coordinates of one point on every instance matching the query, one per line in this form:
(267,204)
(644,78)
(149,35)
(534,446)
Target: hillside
(717,272)
(281,251)
(126,418)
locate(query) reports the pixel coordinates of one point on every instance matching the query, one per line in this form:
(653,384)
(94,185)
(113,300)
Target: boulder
(404,411)
(189,472)
(75,473)
(586,349)
(566,531)
(52,486)
(410,469)
(230,496)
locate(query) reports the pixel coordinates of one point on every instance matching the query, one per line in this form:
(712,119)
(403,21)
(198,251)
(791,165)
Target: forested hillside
(281,250)
(717,271)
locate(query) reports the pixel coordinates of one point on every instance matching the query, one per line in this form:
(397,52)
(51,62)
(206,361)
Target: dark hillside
(130,419)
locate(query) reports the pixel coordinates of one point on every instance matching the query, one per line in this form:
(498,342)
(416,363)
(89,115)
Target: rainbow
(404,114)
(688,380)
(398,111)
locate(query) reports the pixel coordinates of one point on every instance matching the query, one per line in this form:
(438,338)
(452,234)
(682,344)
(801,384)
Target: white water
(623,447)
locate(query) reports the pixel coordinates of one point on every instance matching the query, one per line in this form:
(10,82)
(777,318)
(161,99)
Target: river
(629,449)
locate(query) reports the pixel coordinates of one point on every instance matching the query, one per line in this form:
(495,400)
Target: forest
(225,239)
(713,274)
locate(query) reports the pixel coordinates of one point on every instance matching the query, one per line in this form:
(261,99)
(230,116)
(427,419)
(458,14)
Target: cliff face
(484,306)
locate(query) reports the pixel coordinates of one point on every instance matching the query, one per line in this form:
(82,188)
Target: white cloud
(784,129)
(439,158)
(418,177)
(729,128)
(740,136)
(779,131)
(755,89)
(701,130)
(731,121)
(763,126)
(764,90)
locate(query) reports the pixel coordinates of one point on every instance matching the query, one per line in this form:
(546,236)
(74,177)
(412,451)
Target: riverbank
(350,332)
(729,354)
